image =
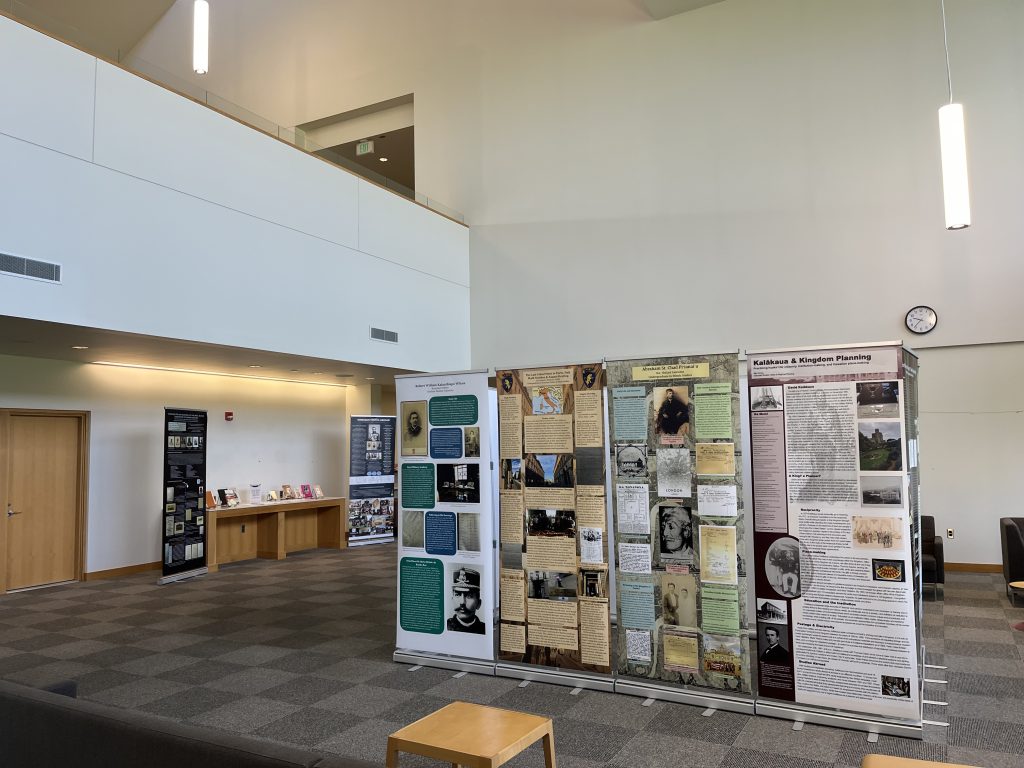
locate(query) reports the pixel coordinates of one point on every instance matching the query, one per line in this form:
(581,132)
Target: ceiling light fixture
(79,347)
(255,366)
(370,378)
(115,364)
(383,159)
(201,37)
(953,148)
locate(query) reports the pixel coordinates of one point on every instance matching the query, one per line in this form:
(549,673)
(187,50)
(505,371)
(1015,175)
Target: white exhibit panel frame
(680,530)
(834,457)
(446,581)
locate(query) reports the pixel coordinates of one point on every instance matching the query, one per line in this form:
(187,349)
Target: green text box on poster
(713,410)
(454,410)
(421,608)
(630,408)
(720,609)
(417,486)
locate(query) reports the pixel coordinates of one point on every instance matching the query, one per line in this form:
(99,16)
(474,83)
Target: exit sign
(364,148)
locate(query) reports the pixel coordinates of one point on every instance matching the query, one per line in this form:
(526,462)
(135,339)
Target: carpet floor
(299,652)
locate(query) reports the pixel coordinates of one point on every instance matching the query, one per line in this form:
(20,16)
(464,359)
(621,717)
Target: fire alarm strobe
(229,415)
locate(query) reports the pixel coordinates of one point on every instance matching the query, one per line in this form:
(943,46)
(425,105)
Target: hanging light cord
(945,43)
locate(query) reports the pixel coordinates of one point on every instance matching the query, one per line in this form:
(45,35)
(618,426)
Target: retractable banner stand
(834,514)
(680,530)
(184,502)
(446,579)
(371,480)
(554,580)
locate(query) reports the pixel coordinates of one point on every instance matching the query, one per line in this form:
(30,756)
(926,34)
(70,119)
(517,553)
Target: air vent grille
(379,334)
(22,267)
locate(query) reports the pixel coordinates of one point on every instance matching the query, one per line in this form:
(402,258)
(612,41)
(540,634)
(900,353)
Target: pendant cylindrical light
(953,144)
(201,37)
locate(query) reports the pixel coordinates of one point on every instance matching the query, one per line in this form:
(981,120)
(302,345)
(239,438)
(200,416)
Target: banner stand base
(182,576)
(388,539)
(555,676)
(784,711)
(476,666)
(710,698)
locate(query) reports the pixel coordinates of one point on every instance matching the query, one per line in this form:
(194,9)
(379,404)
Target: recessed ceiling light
(383,159)
(255,366)
(79,347)
(370,378)
(343,375)
(318,373)
(293,370)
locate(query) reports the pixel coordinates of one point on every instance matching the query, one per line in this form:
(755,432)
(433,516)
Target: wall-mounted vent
(379,334)
(22,267)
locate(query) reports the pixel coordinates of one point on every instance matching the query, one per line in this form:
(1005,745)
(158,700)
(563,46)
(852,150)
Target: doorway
(43,492)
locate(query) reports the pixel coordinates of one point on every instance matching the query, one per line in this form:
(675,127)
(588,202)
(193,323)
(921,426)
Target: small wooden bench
(884,761)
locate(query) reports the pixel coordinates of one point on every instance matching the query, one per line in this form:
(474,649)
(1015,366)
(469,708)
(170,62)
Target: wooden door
(42,498)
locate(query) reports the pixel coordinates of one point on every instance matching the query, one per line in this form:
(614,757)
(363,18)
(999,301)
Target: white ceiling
(35,338)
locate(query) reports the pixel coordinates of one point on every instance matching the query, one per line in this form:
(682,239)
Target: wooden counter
(274,529)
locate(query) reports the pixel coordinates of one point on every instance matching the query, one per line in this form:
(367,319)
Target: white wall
(158,207)
(281,433)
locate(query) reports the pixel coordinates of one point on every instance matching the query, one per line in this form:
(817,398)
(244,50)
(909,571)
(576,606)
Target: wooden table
(1015,587)
(472,735)
(274,529)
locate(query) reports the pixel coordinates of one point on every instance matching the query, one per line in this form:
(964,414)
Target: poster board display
(446,595)
(837,621)
(184,499)
(680,528)
(553,518)
(371,480)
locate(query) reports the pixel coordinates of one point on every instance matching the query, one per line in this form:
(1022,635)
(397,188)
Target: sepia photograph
(468,531)
(414,428)
(551,522)
(412,528)
(631,461)
(881,491)
(766,398)
(879,399)
(679,599)
(551,585)
(671,413)
(877,532)
(881,449)
(471,442)
(549,470)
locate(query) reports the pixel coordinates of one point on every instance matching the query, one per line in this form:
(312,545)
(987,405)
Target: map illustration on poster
(834,512)
(680,528)
(184,504)
(553,518)
(446,582)
(371,481)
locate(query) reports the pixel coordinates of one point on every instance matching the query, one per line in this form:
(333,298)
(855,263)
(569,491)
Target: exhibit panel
(680,529)
(834,514)
(371,484)
(554,579)
(446,579)
(184,502)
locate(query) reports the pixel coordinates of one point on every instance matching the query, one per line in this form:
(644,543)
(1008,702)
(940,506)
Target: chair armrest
(940,561)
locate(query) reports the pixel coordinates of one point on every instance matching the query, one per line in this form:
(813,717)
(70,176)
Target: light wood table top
(472,735)
(1017,585)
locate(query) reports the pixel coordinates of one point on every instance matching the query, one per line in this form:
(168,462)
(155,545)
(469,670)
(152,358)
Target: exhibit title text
(815,360)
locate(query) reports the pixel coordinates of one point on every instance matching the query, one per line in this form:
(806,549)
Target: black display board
(184,500)
(371,494)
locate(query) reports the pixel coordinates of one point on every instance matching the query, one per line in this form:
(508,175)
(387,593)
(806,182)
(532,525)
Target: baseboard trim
(127,570)
(975,567)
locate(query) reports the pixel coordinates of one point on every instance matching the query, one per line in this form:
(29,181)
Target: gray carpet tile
(299,652)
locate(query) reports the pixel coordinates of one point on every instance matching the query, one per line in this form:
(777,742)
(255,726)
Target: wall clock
(921,319)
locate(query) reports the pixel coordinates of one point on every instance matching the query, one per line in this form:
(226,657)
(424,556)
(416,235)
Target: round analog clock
(921,319)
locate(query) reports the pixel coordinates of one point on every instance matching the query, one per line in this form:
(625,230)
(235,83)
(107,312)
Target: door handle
(11,512)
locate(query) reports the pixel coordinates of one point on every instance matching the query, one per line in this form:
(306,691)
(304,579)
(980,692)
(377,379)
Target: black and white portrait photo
(414,428)
(466,602)
(675,527)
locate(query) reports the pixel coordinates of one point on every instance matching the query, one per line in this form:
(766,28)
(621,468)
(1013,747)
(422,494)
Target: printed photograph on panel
(878,399)
(414,428)
(458,483)
(773,644)
(590,466)
(879,490)
(549,470)
(675,531)
(772,611)
(671,413)
(551,522)
(877,532)
(546,400)
(552,585)
(881,449)
(412,528)
(465,600)
(782,566)
(631,461)
(469,531)
(679,599)
(766,399)
(895,687)
(511,477)
(471,440)
(594,583)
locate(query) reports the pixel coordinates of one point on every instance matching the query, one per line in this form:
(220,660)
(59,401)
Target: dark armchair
(1011,532)
(933,562)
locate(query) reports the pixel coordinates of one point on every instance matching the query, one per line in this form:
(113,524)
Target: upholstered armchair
(1011,532)
(933,563)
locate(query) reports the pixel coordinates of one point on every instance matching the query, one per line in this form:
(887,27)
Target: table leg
(549,750)
(392,756)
